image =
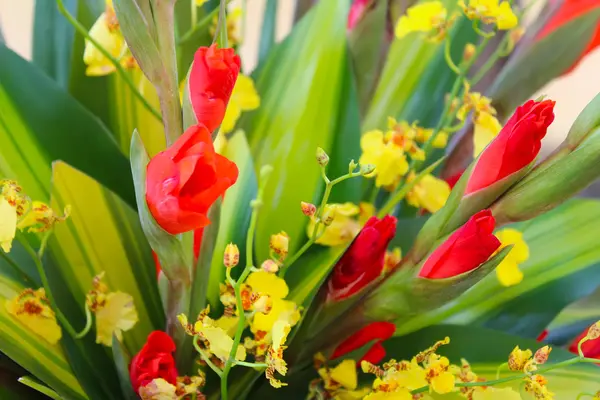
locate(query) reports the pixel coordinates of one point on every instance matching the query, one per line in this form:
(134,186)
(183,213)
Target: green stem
(194,12)
(256,204)
(26,278)
(500,368)
(205,357)
(124,75)
(88,323)
(251,365)
(295,257)
(448,57)
(498,53)
(405,189)
(203,23)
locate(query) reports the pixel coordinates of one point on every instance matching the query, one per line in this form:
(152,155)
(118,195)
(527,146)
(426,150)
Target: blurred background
(572,92)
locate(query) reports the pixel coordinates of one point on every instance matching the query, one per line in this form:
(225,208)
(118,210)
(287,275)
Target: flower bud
(322,157)
(518,358)
(308,209)
(270,266)
(366,169)
(231,256)
(594,331)
(352,166)
(541,356)
(279,244)
(328,214)
(265,171)
(469,51)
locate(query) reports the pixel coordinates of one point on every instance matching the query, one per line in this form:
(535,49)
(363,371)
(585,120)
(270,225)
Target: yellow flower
(492,393)
(266,283)
(402,394)
(116,316)
(517,359)
(430,193)
(279,244)
(367,210)
(486,129)
(443,383)
(274,358)
(345,374)
(440,141)
(158,389)
(200,3)
(41,218)
(108,35)
(228,324)
(8,224)
(505,17)
(424,17)
(219,342)
(508,271)
(342,229)
(282,310)
(243,98)
(389,159)
(392,258)
(32,309)
(491,11)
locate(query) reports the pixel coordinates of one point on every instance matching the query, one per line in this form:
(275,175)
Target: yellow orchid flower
(41,218)
(486,129)
(32,309)
(424,17)
(429,193)
(342,229)
(8,224)
(508,271)
(219,342)
(243,98)
(388,158)
(274,358)
(491,11)
(269,284)
(116,316)
(282,310)
(158,389)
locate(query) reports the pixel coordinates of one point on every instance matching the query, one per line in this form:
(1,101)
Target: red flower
(568,11)
(155,360)
(183,181)
(453,180)
(590,348)
(466,249)
(515,147)
(211,82)
(357,10)
(364,260)
(379,331)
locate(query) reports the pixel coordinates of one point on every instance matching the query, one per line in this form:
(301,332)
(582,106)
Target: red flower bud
(364,260)
(375,331)
(155,360)
(515,147)
(357,10)
(466,249)
(183,181)
(568,11)
(590,348)
(211,82)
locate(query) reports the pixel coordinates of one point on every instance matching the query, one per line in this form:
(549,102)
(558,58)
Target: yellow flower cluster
(115,311)
(107,33)
(508,271)
(32,309)
(490,12)
(527,362)
(18,212)
(428,17)
(387,151)
(347,219)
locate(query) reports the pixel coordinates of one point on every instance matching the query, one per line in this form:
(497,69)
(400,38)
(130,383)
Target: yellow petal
(342,230)
(220,343)
(493,393)
(117,315)
(431,193)
(520,251)
(506,18)
(228,324)
(486,129)
(8,224)
(345,374)
(282,310)
(367,210)
(281,329)
(231,116)
(111,40)
(266,283)
(402,394)
(508,273)
(32,310)
(443,383)
(158,389)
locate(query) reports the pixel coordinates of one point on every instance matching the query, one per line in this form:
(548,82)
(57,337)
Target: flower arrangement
(365,215)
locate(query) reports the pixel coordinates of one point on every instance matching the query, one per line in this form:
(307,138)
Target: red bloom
(515,147)
(590,348)
(183,181)
(364,260)
(379,331)
(211,82)
(453,180)
(568,11)
(155,360)
(466,249)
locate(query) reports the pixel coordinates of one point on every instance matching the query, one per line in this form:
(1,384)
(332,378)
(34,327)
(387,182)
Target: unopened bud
(270,266)
(367,169)
(265,171)
(264,304)
(322,157)
(328,215)
(231,256)
(469,51)
(594,331)
(308,209)
(352,166)
(541,356)
(279,244)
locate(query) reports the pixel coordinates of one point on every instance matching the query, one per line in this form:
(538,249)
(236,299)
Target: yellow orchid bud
(279,244)
(322,157)
(270,266)
(541,356)
(231,256)
(308,209)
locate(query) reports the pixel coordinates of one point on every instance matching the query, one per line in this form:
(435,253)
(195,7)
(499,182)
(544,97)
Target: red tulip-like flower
(375,331)
(155,360)
(211,82)
(465,250)
(590,348)
(568,11)
(364,260)
(183,181)
(515,147)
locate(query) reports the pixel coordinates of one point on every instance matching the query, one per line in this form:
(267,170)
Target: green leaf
(562,254)
(40,123)
(300,86)
(104,234)
(45,361)
(39,387)
(529,69)
(122,360)
(267,33)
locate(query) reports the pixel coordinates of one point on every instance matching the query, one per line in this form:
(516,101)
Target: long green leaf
(39,123)
(299,109)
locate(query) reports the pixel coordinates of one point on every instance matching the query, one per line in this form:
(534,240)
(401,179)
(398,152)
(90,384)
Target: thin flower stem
(256,204)
(195,28)
(296,256)
(126,78)
(26,278)
(251,365)
(448,57)
(491,61)
(206,357)
(500,368)
(88,323)
(193,12)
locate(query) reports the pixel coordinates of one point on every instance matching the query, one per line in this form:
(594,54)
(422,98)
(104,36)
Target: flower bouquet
(366,214)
